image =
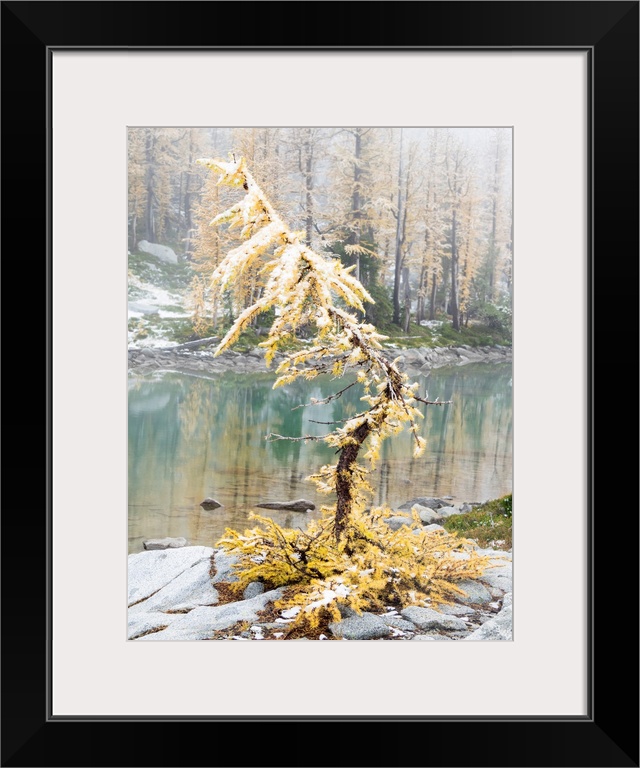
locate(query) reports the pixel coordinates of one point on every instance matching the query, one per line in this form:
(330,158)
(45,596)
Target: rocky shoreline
(413,360)
(181,593)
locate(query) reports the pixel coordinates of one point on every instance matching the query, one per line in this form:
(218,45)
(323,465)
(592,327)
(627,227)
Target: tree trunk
(432,302)
(453,303)
(344,479)
(493,255)
(308,179)
(149,217)
(188,217)
(510,249)
(422,293)
(356,200)
(407,300)
(422,284)
(399,242)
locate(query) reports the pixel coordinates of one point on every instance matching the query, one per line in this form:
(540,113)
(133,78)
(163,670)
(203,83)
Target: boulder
(346,611)
(224,567)
(427,618)
(187,591)
(397,622)
(500,577)
(368,626)
(477,593)
(430,637)
(433,527)
(300,505)
(448,511)
(166,543)
(498,556)
(210,503)
(398,521)
(162,252)
(202,622)
(412,357)
(150,571)
(498,628)
(143,622)
(426,514)
(423,501)
(253,590)
(456,610)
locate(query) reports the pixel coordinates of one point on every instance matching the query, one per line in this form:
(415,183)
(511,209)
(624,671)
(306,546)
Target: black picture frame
(608,736)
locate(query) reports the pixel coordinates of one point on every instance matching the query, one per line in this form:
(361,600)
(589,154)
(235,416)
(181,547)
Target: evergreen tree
(308,288)
(348,555)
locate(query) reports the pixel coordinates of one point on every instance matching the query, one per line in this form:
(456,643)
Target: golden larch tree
(349,555)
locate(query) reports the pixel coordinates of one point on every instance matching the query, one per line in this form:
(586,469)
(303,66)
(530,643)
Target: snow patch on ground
(149,304)
(154,296)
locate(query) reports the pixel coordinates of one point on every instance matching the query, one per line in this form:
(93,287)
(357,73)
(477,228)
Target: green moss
(475,335)
(150,269)
(178,330)
(490,524)
(247,340)
(443,335)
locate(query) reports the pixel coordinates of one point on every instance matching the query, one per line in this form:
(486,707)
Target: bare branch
(272,437)
(343,421)
(328,399)
(432,402)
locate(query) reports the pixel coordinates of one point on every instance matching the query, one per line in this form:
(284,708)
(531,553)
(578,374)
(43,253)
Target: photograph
(320,411)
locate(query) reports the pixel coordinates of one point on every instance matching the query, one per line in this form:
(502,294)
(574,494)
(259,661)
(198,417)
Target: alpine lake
(192,437)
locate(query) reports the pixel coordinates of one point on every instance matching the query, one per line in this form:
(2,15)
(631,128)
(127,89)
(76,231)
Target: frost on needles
(350,556)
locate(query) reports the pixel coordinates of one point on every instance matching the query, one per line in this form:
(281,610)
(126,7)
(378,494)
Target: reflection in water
(192,437)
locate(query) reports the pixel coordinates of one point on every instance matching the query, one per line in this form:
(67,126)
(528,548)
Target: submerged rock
(166,543)
(210,503)
(300,505)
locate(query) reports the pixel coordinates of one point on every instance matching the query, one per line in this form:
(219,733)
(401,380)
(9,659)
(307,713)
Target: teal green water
(191,437)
